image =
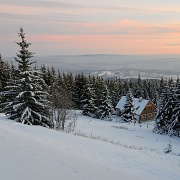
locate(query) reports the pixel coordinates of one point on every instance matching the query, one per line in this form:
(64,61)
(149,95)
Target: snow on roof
(139,104)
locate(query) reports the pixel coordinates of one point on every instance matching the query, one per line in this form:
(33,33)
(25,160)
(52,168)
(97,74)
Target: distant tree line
(45,96)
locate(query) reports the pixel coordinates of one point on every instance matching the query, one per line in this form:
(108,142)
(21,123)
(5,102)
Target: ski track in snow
(35,153)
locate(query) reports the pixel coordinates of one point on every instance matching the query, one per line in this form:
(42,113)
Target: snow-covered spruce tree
(128,114)
(175,124)
(98,89)
(166,119)
(26,96)
(141,89)
(162,114)
(77,91)
(87,100)
(115,89)
(105,109)
(5,72)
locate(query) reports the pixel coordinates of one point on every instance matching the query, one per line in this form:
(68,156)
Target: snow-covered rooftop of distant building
(139,103)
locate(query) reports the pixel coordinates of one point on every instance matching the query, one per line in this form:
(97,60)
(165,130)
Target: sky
(71,27)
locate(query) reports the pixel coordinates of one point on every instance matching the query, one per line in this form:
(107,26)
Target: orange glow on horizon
(111,44)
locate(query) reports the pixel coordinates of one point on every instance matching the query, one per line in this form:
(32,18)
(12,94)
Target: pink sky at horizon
(87,27)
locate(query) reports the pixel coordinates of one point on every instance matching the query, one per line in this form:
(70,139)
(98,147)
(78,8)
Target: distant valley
(110,66)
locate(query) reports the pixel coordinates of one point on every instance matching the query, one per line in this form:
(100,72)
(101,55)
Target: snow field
(110,150)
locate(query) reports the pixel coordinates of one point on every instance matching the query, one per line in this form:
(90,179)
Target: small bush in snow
(169,148)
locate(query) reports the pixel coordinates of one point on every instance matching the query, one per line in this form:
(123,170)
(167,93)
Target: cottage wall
(148,113)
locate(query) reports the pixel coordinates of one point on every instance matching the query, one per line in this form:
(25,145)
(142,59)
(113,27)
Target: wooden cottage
(145,110)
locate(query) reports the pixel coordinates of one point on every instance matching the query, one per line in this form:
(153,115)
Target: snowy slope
(108,150)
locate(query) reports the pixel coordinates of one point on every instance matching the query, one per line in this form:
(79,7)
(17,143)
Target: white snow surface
(108,151)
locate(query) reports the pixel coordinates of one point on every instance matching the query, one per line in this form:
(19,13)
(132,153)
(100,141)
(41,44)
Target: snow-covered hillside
(98,150)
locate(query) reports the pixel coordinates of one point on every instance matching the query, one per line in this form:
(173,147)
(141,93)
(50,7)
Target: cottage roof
(139,104)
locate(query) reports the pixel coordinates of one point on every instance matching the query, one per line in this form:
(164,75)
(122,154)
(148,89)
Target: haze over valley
(107,66)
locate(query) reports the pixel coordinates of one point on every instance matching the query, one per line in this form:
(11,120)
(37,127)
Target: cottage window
(149,116)
(143,117)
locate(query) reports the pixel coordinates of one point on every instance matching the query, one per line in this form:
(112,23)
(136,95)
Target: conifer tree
(70,84)
(175,124)
(105,108)
(170,82)
(26,98)
(177,80)
(167,120)
(44,73)
(59,79)
(163,111)
(98,89)
(79,84)
(139,81)
(162,85)
(116,90)
(5,72)
(128,114)
(87,100)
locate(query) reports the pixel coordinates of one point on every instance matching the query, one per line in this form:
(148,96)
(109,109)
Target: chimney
(140,99)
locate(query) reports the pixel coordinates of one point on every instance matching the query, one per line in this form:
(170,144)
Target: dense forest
(44,96)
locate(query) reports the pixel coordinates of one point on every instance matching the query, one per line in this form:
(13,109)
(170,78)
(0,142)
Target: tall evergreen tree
(177,80)
(116,90)
(98,89)
(141,88)
(128,114)
(5,72)
(26,98)
(105,108)
(162,85)
(79,84)
(167,120)
(175,124)
(70,84)
(88,100)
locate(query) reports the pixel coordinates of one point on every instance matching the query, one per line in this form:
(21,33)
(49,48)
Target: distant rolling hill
(123,66)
